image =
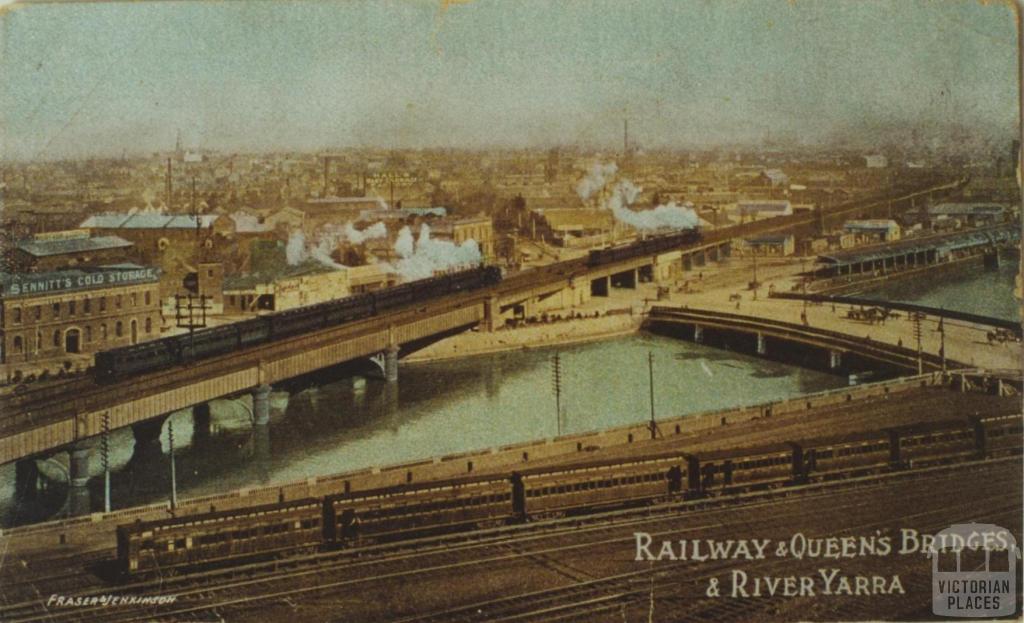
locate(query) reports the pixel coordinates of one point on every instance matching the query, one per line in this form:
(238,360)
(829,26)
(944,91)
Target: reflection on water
(471,404)
(972,290)
(447,407)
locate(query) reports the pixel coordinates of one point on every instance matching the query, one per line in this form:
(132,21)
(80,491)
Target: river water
(973,290)
(446,407)
(474,403)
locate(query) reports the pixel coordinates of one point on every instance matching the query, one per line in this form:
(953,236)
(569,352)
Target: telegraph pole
(918,316)
(556,380)
(105,455)
(650,370)
(942,342)
(174,479)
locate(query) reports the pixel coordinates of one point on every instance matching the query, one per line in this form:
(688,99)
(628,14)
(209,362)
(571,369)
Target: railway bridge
(74,414)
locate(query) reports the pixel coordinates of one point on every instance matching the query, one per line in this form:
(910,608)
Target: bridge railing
(952,314)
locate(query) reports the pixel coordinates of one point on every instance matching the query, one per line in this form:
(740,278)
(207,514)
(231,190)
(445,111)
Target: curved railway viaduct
(72,415)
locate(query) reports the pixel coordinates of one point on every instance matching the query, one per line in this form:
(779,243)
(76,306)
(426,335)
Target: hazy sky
(94,78)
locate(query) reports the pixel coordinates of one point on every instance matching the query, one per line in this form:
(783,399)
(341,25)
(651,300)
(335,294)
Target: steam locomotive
(649,246)
(120,363)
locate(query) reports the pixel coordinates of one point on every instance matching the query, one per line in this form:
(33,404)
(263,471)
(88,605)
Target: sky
(97,78)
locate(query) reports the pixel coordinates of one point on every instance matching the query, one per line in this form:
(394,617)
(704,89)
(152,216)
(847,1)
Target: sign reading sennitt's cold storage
(23,285)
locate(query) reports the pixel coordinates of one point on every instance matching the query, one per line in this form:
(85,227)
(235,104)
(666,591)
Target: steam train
(649,246)
(119,363)
(413,510)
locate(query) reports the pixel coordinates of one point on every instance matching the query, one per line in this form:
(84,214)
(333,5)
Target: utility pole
(942,342)
(556,380)
(918,316)
(174,479)
(105,455)
(650,370)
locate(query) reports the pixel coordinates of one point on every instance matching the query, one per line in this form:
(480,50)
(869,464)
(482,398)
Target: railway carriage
(119,363)
(939,442)
(999,436)
(405,511)
(219,536)
(725,471)
(600,484)
(857,454)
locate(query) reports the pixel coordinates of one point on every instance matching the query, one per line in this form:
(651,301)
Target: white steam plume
(426,256)
(596,178)
(298,250)
(665,216)
(625,192)
(377,230)
(295,251)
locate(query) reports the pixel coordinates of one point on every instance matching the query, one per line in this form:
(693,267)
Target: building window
(17,343)
(148,298)
(56,338)
(39,341)
(88,334)
(133,299)
(71,307)
(103,332)
(119,328)
(17,315)
(149,325)
(117,301)
(56,311)
(87,305)
(103,303)
(39,312)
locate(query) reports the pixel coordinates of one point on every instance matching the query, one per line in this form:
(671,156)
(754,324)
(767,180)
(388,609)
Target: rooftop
(944,242)
(964,209)
(140,220)
(46,248)
(285,271)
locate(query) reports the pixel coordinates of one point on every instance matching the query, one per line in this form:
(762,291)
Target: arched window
(88,334)
(149,325)
(17,343)
(117,301)
(119,328)
(56,338)
(103,332)
(148,298)
(134,300)
(17,314)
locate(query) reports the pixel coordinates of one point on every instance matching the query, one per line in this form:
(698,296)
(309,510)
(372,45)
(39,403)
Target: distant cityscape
(100,253)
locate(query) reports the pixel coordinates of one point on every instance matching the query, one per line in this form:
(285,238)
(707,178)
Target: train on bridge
(470,502)
(648,246)
(120,363)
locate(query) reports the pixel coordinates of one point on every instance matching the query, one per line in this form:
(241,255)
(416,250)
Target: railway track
(584,600)
(214,590)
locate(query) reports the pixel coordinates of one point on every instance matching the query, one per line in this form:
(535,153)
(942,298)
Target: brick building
(56,320)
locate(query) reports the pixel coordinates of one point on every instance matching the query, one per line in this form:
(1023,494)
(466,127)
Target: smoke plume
(624,193)
(426,256)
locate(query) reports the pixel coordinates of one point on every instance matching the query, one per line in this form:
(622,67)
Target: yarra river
(474,403)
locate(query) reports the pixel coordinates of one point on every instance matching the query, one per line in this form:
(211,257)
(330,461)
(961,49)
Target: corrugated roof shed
(46,248)
(944,243)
